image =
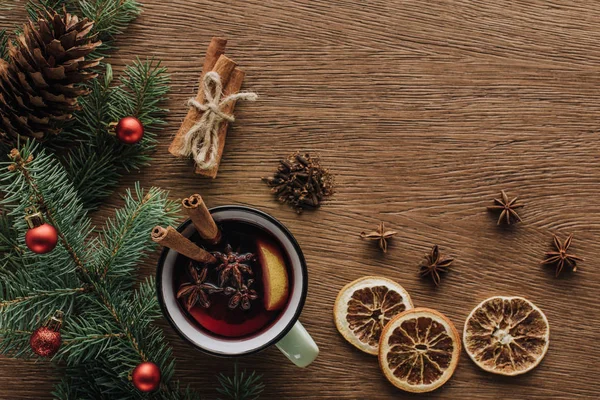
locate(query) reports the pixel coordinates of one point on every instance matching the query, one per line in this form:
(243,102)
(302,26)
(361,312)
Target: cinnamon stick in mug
(200,216)
(169,237)
(216,61)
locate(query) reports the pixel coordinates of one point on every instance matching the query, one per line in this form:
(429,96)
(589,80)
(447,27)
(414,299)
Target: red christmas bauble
(41,239)
(129,130)
(45,341)
(146,377)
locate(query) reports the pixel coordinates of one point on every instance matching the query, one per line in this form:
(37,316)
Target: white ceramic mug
(287,333)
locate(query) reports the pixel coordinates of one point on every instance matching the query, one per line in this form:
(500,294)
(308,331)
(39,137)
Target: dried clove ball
(301,182)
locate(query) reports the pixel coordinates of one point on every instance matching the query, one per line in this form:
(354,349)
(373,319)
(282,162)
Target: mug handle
(298,346)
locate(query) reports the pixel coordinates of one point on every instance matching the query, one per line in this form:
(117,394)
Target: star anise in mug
(197,291)
(433,264)
(242,296)
(560,257)
(232,266)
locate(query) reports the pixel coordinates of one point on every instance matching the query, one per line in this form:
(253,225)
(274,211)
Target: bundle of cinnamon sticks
(231,79)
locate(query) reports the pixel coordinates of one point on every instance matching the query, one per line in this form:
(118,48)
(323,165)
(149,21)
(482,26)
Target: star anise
(507,208)
(233,266)
(197,291)
(560,257)
(433,264)
(381,235)
(241,296)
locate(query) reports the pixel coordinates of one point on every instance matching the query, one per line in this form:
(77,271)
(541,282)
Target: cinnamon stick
(233,86)
(213,61)
(215,49)
(202,219)
(169,237)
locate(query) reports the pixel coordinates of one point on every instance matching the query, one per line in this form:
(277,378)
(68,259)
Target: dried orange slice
(506,335)
(363,307)
(419,350)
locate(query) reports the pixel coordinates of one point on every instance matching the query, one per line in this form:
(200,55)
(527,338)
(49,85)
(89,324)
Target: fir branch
(37,8)
(3,44)
(94,379)
(242,386)
(144,86)
(119,250)
(111,17)
(38,296)
(15,342)
(126,313)
(10,250)
(40,181)
(97,163)
(86,338)
(29,296)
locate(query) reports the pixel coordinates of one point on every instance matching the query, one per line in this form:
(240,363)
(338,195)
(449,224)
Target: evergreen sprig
(27,182)
(111,17)
(107,322)
(240,386)
(9,248)
(37,8)
(98,160)
(3,44)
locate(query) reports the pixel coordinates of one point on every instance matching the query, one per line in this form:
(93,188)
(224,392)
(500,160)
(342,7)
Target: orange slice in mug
(274,275)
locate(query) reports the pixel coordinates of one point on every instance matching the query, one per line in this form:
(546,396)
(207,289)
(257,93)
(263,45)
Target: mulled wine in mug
(246,298)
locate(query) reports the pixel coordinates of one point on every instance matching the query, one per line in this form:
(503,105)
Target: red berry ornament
(129,130)
(146,377)
(41,237)
(46,340)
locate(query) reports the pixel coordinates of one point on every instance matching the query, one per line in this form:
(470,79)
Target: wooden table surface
(424,111)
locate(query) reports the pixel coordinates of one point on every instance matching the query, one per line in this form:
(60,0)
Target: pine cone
(40,83)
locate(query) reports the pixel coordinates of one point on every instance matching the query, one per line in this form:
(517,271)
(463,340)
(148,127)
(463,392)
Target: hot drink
(243,289)
(232,281)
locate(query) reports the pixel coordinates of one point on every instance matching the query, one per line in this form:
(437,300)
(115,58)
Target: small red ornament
(41,238)
(46,340)
(129,130)
(146,377)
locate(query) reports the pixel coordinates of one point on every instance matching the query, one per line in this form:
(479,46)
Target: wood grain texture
(424,111)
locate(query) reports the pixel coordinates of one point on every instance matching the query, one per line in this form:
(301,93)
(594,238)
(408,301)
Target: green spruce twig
(3,44)
(111,17)
(98,160)
(240,386)
(107,321)
(10,251)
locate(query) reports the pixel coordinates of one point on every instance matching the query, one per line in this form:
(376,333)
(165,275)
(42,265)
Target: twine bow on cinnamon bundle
(203,131)
(202,140)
